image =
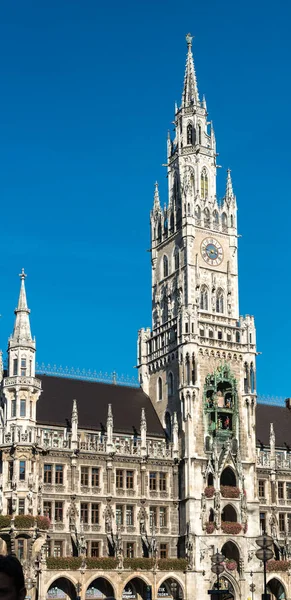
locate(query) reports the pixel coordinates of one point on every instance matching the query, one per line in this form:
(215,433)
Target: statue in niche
(217,509)
(72,514)
(203,510)
(189,551)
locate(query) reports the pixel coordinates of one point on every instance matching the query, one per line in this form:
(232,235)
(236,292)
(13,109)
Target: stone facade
(96,511)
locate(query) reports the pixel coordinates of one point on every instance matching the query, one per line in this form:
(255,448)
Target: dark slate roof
(280,417)
(54,406)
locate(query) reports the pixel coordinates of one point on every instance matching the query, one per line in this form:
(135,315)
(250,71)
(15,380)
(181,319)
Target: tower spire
(190,91)
(22,324)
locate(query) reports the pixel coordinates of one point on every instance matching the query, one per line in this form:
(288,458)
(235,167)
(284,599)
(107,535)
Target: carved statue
(108,515)
(72,514)
(273,524)
(189,551)
(14,502)
(244,509)
(203,510)
(30,501)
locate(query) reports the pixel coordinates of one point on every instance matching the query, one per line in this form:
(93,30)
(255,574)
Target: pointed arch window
(187,369)
(220,301)
(170,384)
(176,258)
(165,266)
(231,221)
(159,232)
(224,222)
(165,310)
(189,134)
(15,366)
(172,222)
(160,389)
(199,134)
(204,184)
(252,378)
(204,298)
(13,408)
(168,425)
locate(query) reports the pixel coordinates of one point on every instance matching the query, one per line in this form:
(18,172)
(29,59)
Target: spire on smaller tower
(157,205)
(22,324)
(190,91)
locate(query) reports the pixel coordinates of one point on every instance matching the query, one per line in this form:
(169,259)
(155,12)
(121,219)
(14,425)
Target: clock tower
(197,361)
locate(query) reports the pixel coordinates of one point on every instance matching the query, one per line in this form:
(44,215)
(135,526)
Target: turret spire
(190,90)
(22,324)
(157,205)
(229,195)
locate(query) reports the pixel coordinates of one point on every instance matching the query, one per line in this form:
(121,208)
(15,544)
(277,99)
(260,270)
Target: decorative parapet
(11,381)
(282,459)
(86,375)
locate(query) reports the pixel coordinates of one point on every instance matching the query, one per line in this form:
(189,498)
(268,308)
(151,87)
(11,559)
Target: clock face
(211,251)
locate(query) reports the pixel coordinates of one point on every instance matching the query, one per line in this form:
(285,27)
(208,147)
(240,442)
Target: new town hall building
(128,491)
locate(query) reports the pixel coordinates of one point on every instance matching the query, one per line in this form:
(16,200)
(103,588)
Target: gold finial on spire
(189,39)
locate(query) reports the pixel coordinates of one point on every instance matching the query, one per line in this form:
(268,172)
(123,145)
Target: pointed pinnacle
(157,205)
(229,189)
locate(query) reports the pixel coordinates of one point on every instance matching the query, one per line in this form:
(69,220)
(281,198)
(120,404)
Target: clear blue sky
(87,96)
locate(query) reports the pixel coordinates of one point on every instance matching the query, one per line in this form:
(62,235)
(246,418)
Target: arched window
(215,219)
(204,184)
(227,477)
(206,218)
(198,215)
(252,377)
(229,514)
(159,232)
(165,311)
(189,209)
(204,298)
(192,182)
(160,389)
(176,258)
(170,384)
(168,425)
(187,369)
(199,134)
(189,134)
(172,222)
(224,222)
(166,266)
(219,301)
(231,221)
